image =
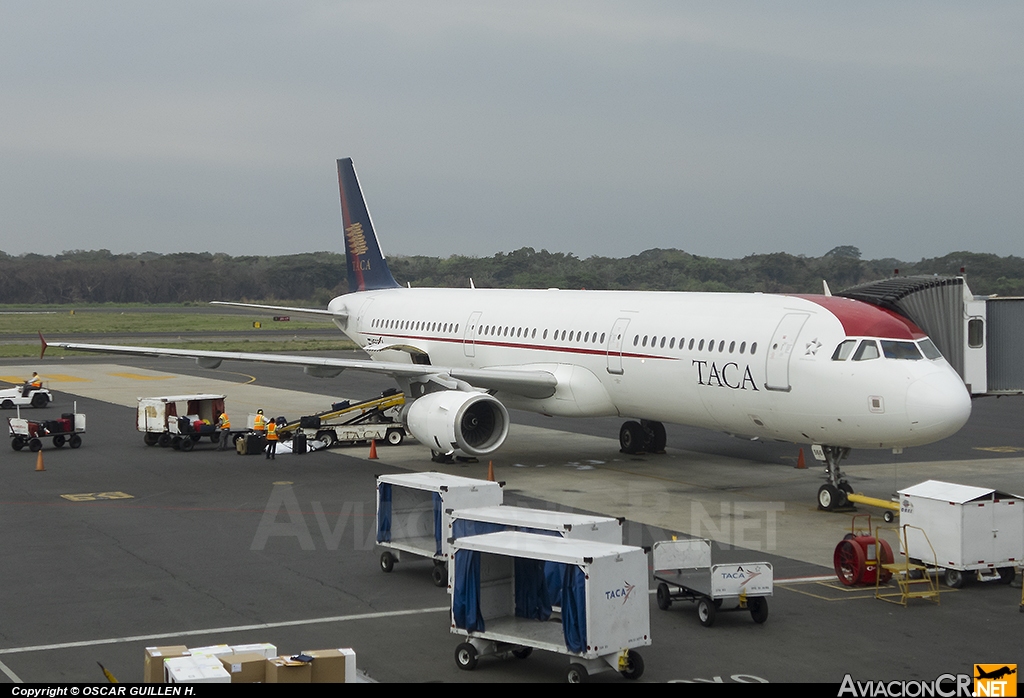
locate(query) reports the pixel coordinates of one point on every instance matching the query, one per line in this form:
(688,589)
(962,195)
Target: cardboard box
(211,650)
(268,650)
(333,666)
(195,669)
(284,670)
(153,670)
(246,667)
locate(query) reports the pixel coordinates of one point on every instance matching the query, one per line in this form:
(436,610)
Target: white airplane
(828,371)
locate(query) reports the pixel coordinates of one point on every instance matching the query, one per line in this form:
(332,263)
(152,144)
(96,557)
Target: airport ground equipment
(476,521)
(412,515)
(499,604)
(181,421)
(912,578)
(346,422)
(66,430)
(683,570)
(861,557)
(16,397)
(978,532)
(891,508)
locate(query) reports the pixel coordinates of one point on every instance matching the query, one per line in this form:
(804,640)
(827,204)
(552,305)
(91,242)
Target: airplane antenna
(828,291)
(408,284)
(471,284)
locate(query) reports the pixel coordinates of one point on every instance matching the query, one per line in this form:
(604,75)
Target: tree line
(103,277)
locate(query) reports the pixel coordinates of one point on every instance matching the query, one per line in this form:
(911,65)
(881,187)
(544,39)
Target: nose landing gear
(832,495)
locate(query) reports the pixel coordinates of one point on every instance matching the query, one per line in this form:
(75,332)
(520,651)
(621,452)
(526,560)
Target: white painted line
(10,674)
(210,631)
(797,580)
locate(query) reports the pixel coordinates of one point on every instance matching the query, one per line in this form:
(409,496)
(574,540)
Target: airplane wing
(282,308)
(528,383)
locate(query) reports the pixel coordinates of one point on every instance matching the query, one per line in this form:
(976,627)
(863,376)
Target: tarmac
(206,547)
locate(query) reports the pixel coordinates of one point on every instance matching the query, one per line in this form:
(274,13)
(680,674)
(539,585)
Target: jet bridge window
(842,352)
(975,333)
(900,350)
(866,351)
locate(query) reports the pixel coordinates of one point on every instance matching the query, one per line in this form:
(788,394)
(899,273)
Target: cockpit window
(842,352)
(866,351)
(930,350)
(900,350)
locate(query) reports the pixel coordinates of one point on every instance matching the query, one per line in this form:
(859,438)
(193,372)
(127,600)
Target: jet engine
(449,420)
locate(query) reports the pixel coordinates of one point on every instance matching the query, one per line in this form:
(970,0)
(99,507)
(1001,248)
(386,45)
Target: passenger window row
(415,325)
(656,342)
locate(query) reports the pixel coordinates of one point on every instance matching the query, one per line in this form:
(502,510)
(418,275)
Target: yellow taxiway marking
(140,377)
(999,449)
(49,377)
(96,496)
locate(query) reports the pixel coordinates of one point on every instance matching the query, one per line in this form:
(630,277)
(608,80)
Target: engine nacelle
(449,420)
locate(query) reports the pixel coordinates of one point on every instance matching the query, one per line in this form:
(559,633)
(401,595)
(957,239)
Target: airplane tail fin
(367,269)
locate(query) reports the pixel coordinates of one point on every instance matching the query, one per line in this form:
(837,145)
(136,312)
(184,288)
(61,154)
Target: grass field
(174,320)
(62,323)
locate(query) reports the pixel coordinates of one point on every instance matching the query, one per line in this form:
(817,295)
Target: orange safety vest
(36,382)
(225,423)
(272,431)
(258,424)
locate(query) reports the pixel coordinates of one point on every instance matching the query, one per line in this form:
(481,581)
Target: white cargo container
(498,602)
(467,522)
(970,528)
(412,514)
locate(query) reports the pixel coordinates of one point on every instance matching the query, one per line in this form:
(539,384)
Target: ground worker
(271,439)
(259,424)
(33,383)
(224,424)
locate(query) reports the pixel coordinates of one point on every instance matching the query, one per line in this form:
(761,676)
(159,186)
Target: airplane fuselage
(753,365)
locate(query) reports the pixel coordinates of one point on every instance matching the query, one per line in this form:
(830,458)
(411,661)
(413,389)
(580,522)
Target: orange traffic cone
(800,464)
(39,461)
(490,471)
(373,449)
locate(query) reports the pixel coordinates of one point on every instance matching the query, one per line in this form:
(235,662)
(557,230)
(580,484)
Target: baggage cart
(27,432)
(181,421)
(683,570)
(412,515)
(499,604)
(475,521)
(974,531)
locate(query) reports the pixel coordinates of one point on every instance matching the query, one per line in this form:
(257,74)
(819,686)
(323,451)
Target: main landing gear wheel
(706,612)
(387,561)
(466,656)
(631,438)
(654,436)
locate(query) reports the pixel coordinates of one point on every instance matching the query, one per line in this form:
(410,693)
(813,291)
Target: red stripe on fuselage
(865,320)
(512,345)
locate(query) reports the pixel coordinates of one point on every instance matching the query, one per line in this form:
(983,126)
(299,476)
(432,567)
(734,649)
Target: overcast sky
(597,128)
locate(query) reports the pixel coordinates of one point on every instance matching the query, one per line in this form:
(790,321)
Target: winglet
(367,269)
(42,341)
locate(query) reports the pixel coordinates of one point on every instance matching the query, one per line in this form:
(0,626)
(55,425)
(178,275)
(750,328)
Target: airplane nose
(938,405)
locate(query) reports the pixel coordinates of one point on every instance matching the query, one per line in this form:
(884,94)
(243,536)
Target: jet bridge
(981,336)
